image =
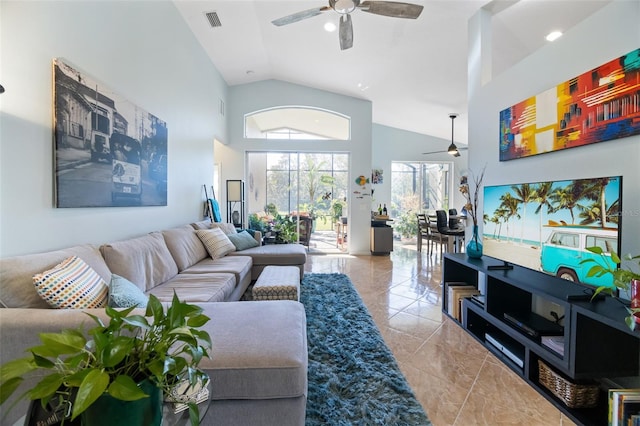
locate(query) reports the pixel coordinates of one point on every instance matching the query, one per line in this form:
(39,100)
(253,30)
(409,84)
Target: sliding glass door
(418,187)
(291,182)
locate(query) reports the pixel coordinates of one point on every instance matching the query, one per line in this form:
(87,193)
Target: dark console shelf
(592,344)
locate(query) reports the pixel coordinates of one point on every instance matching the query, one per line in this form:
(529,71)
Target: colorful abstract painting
(600,105)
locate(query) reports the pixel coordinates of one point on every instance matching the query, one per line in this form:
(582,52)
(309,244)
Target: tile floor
(457,381)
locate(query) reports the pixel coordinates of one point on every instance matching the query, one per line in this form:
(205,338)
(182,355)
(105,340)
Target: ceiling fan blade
(305,14)
(346,32)
(464,148)
(392,9)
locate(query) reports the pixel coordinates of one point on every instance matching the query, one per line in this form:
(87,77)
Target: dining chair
(443,227)
(436,236)
(424,233)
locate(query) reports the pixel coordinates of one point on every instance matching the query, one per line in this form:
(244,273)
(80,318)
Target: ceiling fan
(453,149)
(345,7)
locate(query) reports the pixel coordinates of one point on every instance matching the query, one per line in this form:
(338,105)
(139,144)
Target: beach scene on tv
(547,226)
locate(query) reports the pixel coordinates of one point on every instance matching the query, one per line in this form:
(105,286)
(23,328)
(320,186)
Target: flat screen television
(546,226)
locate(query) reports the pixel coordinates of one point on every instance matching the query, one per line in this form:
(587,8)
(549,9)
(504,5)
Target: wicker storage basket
(573,395)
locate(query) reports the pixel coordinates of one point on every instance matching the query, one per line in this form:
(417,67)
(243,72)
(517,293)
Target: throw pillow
(72,284)
(216,242)
(227,228)
(243,240)
(125,294)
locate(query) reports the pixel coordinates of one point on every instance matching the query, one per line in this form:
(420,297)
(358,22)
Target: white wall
(372,145)
(265,94)
(606,35)
(142,50)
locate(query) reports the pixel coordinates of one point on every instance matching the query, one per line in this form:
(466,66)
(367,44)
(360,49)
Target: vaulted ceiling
(413,71)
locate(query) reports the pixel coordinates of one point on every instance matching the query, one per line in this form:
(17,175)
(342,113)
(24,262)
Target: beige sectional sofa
(273,254)
(259,357)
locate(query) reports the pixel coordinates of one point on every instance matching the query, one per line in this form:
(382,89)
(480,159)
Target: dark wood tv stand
(597,342)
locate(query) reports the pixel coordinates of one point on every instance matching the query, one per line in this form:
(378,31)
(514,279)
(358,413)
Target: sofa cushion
(240,266)
(72,284)
(197,288)
(125,294)
(242,240)
(276,254)
(272,361)
(216,242)
(185,246)
(16,282)
(203,224)
(145,261)
(227,228)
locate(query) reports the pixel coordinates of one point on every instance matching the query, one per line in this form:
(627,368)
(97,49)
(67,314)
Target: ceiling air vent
(213,19)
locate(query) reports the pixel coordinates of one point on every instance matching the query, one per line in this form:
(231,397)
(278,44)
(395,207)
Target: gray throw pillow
(243,240)
(124,294)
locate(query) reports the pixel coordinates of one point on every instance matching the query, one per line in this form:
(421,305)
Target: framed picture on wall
(600,105)
(108,151)
(376,176)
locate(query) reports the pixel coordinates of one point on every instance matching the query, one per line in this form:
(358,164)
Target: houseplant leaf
(46,387)
(8,387)
(63,343)
(91,388)
(16,368)
(125,389)
(116,350)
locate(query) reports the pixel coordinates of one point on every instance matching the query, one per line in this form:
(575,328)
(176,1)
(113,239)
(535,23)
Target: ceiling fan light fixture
(344,7)
(453,150)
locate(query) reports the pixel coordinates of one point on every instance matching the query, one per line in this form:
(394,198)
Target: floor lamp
(235,196)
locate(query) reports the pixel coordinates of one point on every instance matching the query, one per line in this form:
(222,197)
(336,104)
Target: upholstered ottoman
(278,283)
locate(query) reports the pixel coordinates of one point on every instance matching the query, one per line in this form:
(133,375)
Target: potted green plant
(623,279)
(285,227)
(337,207)
(130,359)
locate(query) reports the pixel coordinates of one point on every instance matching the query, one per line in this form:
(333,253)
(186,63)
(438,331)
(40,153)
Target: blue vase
(474,247)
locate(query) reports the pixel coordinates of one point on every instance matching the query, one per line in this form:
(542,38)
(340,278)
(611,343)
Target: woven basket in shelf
(573,395)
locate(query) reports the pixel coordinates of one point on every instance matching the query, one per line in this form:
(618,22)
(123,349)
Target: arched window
(297,122)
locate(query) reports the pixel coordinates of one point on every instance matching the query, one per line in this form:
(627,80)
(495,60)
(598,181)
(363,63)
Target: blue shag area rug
(353,376)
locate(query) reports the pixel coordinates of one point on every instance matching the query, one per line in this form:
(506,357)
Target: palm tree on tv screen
(510,204)
(543,193)
(524,194)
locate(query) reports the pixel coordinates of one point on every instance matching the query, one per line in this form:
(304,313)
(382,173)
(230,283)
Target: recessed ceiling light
(553,35)
(330,27)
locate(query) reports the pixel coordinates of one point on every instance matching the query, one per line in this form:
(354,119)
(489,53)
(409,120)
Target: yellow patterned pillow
(216,242)
(72,284)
